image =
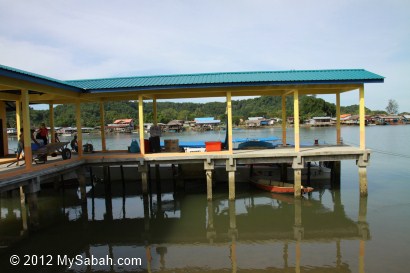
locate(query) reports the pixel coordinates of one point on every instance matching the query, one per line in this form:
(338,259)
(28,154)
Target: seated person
(74,144)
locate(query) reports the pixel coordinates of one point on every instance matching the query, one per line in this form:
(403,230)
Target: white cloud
(89,39)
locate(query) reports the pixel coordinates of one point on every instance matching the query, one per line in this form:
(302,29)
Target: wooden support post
(362,119)
(209,167)
(231,169)
(229,114)
(296,119)
(102,124)
(335,175)
(143,169)
(362,163)
(298,182)
(154,111)
(284,120)
(51,121)
(141,123)
(18,117)
(363,181)
(3,118)
(79,131)
(28,156)
(338,130)
(284,172)
(297,165)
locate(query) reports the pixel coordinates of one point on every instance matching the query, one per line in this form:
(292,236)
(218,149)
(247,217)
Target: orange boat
(267,184)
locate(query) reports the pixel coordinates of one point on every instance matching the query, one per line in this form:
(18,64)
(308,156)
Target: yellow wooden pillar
(229,114)
(18,117)
(28,156)
(284,120)
(141,123)
(102,125)
(3,118)
(338,132)
(296,119)
(154,111)
(362,119)
(79,131)
(51,121)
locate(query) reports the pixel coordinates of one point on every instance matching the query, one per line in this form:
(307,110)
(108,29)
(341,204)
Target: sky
(77,39)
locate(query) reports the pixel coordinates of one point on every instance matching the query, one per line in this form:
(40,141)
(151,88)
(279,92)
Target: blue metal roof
(15,73)
(200,80)
(340,76)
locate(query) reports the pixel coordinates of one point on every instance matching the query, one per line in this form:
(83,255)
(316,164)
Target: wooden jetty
(23,88)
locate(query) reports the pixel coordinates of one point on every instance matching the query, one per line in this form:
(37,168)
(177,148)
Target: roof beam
(9,97)
(21,84)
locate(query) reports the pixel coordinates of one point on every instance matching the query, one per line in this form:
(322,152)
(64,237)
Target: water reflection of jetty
(268,232)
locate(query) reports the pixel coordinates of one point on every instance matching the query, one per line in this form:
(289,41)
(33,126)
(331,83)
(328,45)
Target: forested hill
(265,106)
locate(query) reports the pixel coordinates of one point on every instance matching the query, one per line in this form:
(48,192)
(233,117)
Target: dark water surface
(327,231)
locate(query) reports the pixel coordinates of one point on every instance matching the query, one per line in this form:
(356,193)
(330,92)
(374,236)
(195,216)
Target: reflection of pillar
(108,194)
(208,167)
(146,212)
(88,255)
(23,208)
(82,184)
(111,255)
(285,255)
(233,232)
(363,231)
(298,231)
(161,250)
(143,169)
(32,199)
(31,194)
(149,257)
(338,254)
(233,255)
(210,231)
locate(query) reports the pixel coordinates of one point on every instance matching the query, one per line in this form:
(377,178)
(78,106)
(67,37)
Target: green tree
(392,107)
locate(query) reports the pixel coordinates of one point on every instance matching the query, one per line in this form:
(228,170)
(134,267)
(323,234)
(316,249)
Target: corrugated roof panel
(216,79)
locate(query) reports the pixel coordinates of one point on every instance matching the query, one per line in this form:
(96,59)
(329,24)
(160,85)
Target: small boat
(266,183)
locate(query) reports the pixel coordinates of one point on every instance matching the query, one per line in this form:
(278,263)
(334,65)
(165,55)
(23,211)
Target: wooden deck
(14,176)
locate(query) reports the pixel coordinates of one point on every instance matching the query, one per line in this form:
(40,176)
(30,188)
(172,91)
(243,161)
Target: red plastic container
(212,146)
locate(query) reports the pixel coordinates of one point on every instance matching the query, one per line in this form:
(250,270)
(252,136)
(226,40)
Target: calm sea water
(329,231)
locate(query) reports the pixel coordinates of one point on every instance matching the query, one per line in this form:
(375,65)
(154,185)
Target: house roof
(13,80)
(18,74)
(228,79)
(123,120)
